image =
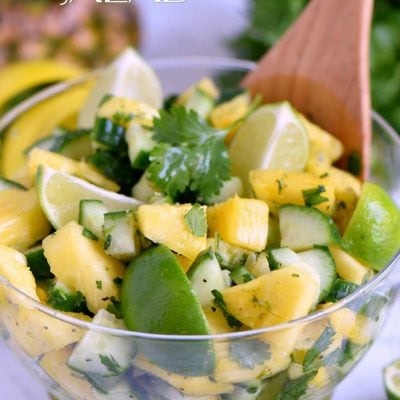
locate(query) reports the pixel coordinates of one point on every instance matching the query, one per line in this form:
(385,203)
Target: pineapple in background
(83,32)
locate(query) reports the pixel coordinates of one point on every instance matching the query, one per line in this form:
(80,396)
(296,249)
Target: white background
(202,27)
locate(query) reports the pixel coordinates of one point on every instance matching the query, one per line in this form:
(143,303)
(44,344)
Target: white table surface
(201,27)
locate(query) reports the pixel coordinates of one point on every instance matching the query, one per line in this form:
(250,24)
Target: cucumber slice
(241,275)
(201,102)
(340,289)
(140,145)
(143,190)
(6,184)
(302,228)
(321,262)
(206,275)
(230,188)
(37,263)
(91,216)
(120,236)
(100,357)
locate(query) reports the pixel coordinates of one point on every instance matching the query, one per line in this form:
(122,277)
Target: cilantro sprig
(249,353)
(196,220)
(190,162)
(312,197)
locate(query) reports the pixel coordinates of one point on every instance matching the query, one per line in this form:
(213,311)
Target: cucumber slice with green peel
(201,102)
(37,263)
(6,184)
(321,262)
(150,302)
(143,190)
(391,376)
(340,289)
(205,275)
(302,228)
(103,358)
(91,216)
(230,188)
(140,145)
(108,133)
(241,275)
(120,236)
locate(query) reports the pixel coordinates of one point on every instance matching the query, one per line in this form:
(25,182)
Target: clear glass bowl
(263,364)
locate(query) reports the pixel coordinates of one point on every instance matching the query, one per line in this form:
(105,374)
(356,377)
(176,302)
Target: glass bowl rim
(223,63)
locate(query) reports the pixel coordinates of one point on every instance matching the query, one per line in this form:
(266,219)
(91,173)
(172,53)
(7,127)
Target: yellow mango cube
(277,187)
(277,297)
(81,263)
(241,222)
(166,224)
(22,221)
(67,165)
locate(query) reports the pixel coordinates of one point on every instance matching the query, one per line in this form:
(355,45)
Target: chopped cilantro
(118,281)
(89,234)
(312,196)
(60,297)
(219,302)
(249,353)
(321,345)
(99,285)
(293,389)
(115,307)
(280,185)
(190,162)
(354,163)
(110,363)
(196,220)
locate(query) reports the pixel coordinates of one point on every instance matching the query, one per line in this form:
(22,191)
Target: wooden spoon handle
(321,65)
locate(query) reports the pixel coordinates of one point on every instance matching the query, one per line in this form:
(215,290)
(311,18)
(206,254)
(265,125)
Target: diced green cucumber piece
(140,145)
(91,216)
(200,102)
(301,228)
(206,275)
(321,261)
(120,235)
(108,134)
(230,188)
(143,190)
(62,298)
(257,264)
(6,184)
(37,263)
(102,358)
(340,289)
(241,275)
(228,256)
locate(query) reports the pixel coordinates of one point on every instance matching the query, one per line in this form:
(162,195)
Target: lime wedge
(373,233)
(128,76)
(60,194)
(272,138)
(391,376)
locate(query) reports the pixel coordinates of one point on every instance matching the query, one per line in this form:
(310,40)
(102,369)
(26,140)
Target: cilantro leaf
(293,389)
(249,353)
(111,364)
(219,302)
(196,220)
(319,347)
(190,162)
(312,196)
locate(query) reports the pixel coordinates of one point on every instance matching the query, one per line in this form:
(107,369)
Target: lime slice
(272,138)
(60,194)
(129,76)
(391,376)
(373,233)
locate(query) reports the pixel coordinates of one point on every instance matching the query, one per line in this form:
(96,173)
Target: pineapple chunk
(241,222)
(14,268)
(205,85)
(38,333)
(184,262)
(81,263)
(165,224)
(282,187)
(348,267)
(61,163)
(323,145)
(277,297)
(22,221)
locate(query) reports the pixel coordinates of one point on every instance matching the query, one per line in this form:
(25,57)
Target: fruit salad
(195,229)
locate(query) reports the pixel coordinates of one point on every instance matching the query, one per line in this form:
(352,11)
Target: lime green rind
(391,375)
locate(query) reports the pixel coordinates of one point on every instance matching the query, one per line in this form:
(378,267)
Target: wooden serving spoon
(321,66)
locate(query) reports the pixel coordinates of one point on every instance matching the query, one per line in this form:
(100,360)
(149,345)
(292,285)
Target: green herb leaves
(190,162)
(249,353)
(196,220)
(312,197)
(219,302)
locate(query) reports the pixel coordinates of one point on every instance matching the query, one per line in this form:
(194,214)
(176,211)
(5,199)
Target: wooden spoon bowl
(321,66)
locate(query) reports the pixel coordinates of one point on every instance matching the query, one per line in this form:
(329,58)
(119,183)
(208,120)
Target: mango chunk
(165,224)
(82,264)
(22,221)
(277,297)
(241,222)
(277,187)
(81,169)
(348,267)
